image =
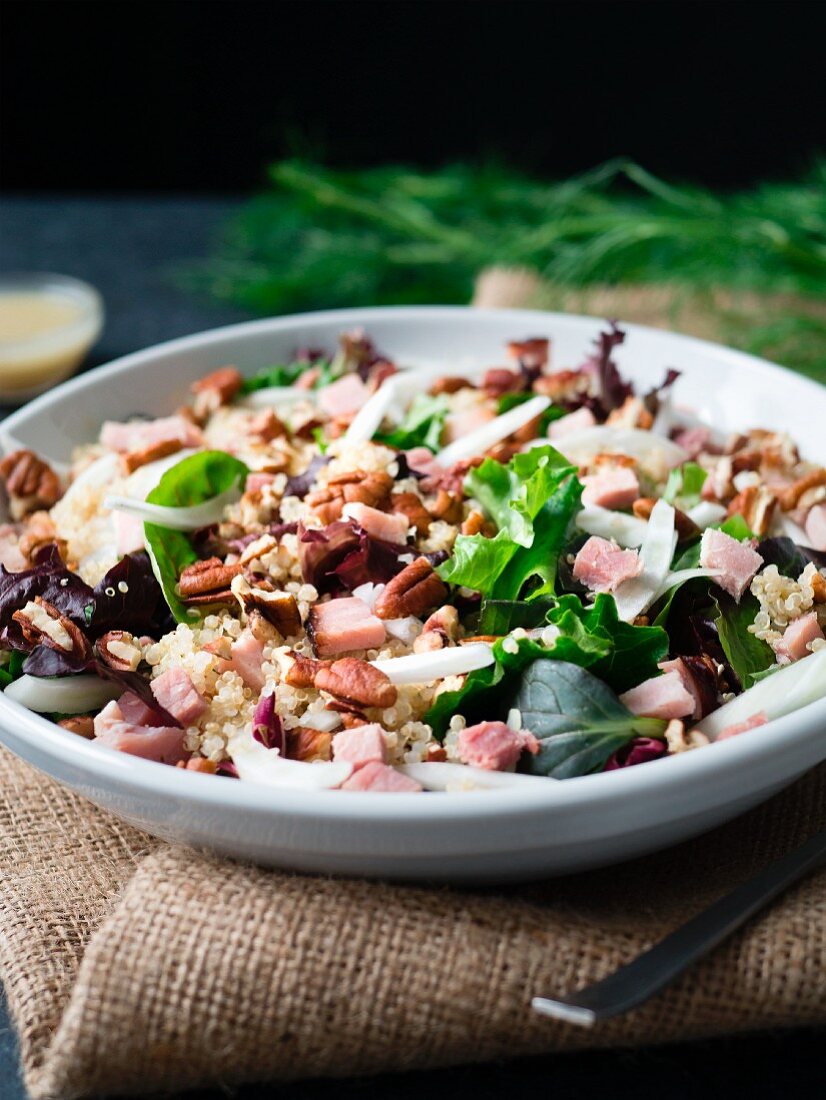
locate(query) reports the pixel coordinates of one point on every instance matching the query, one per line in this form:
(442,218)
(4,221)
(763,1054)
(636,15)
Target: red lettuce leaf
(266,725)
(638,751)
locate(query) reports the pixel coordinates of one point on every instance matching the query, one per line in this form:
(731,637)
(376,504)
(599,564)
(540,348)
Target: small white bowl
(31,363)
(457,836)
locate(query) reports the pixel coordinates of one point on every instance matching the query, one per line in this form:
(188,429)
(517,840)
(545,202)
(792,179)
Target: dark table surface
(129,248)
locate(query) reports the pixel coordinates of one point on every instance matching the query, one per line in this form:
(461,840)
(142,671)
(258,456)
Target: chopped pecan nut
(501,380)
(790,495)
(357,682)
(30,482)
(42,624)
(350,718)
(449,383)
(439,631)
(446,507)
(217,388)
(818,588)
(133,460)
(503,452)
(411,506)
(414,591)
(303,671)
(266,426)
(206,577)
(562,385)
(476,524)
(40,531)
(685,526)
(756,505)
(278,608)
(200,764)
(373,490)
(81,724)
(305,743)
(117,649)
(435,754)
(632,413)
(531,353)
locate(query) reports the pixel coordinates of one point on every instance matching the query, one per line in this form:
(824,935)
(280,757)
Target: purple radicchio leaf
(52,581)
(374,560)
(227,768)
(266,725)
(653,399)
(790,558)
(611,387)
(130,598)
(301,484)
(638,751)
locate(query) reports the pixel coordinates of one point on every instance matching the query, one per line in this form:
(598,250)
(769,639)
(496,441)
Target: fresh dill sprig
(393,235)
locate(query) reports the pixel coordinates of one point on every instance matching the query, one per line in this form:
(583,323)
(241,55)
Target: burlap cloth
(134,966)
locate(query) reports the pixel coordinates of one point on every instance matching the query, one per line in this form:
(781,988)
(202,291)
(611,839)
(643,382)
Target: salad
(340,573)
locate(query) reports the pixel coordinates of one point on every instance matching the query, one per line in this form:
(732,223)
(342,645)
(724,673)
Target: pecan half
(303,671)
(133,460)
(440,630)
(42,624)
(304,743)
(357,682)
(216,389)
(685,526)
(207,578)
(447,507)
(40,531)
(411,506)
(357,487)
(449,383)
(117,649)
(278,608)
(30,482)
(412,592)
(790,496)
(756,505)
(81,724)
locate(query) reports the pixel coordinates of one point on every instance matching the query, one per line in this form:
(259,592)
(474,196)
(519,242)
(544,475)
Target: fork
(646,975)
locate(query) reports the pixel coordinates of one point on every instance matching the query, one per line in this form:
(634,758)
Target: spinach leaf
(789,558)
(748,655)
(422,426)
(502,616)
(193,480)
(577,719)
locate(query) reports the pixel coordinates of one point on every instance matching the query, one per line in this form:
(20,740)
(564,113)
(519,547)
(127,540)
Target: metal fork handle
(646,975)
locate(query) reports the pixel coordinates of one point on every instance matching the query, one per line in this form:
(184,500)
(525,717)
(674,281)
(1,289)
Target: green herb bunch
(392,235)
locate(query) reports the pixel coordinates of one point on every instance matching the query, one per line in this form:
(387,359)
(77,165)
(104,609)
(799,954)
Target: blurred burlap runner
(132,966)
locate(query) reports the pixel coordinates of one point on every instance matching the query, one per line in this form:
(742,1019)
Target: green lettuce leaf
(684,485)
(512,495)
(577,719)
(422,426)
(193,480)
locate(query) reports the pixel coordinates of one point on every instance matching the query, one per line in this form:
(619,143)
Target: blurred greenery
(750,267)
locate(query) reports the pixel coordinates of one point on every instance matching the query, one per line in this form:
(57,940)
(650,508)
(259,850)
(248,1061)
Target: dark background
(197,97)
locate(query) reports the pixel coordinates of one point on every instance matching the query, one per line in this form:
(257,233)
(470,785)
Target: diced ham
(797,637)
(345,624)
(737,561)
(144,433)
(494,746)
(422,461)
(257,481)
(10,556)
(816,527)
(177,694)
(360,745)
(376,776)
(758,719)
(344,396)
(165,744)
(663,696)
(246,658)
(134,710)
(389,526)
(693,440)
(460,424)
(573,422)
(704,700)
(128,532)
(613,487)
(601,565)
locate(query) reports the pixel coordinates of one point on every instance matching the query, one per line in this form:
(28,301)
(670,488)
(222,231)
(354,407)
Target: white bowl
(471,836)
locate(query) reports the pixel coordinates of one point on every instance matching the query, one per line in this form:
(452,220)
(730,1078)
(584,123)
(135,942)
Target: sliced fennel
(422,668)
(177,519)
(624,529)
(580,447)
(707,514)
(484,437)
(272,397)
(367,420)
(636,595)
(64,694)
(257,764)
(788,689)
(444,776)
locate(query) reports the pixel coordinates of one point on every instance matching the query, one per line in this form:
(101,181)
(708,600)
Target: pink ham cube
(758,719)
(164,744)
(246,658)
(360,745)
(257,481)
(177,694)
(612,488)
(460,424)
(128,532)
(376,776)
(601,565)
(389,526)
(737,561)
(574,422)
(134,710)
(494,746)
(693,440)
(663,696)
(343,625)
(344,396)
(422,460)
(816,527)
(797,637)
(145,433)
